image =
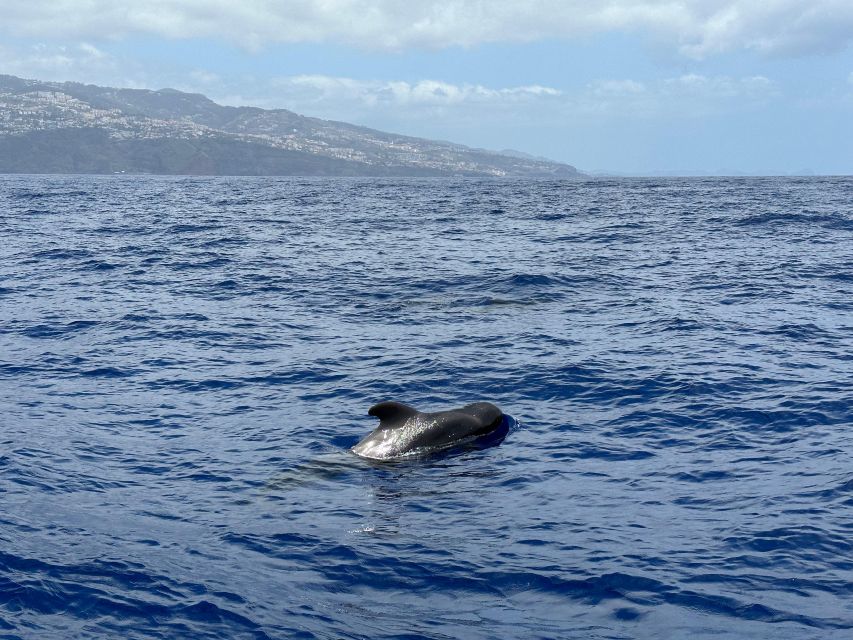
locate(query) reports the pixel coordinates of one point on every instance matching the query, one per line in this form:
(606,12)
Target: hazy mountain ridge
(72,127)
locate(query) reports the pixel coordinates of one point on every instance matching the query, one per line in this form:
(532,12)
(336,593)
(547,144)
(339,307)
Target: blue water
(185,361)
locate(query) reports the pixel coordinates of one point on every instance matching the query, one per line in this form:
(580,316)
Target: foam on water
(184,363)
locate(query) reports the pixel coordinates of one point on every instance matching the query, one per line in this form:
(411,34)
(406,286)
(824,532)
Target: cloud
(428,93)
(204,78)
(719,86)
(696,28)
(683,97)
(686,96)
(81,61)
(616,87)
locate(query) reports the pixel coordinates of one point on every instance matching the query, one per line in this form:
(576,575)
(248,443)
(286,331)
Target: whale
(404,431)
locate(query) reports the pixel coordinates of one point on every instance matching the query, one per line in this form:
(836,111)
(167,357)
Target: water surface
(185,361)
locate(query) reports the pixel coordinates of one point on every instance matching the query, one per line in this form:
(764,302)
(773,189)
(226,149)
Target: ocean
(185,362)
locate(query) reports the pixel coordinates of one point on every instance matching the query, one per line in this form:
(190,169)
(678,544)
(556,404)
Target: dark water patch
(224,242)
(778,420)
(58,330)
(832,221)
(187,228)
(136,317)
(62,254)
(211,263)
(98,265)
(106,372)
(705,476)
(796,540)
(842,276)
(27,194)
(843,491)
(802,331)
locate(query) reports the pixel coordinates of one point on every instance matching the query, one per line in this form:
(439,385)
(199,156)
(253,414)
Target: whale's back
(405,431)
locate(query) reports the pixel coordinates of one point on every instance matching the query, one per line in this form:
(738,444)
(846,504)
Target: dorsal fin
(391,413)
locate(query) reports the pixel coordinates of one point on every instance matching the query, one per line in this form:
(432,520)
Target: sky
(618,86)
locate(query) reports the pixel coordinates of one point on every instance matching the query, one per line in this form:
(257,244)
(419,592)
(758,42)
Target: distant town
(39,112)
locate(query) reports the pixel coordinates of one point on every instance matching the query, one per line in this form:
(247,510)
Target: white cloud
(719,86)
(686,96)
(425,93)
(92,51)
(696,28)
(616,87)
(61,62)
(204,78)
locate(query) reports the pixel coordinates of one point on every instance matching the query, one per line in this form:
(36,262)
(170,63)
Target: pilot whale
(405,431)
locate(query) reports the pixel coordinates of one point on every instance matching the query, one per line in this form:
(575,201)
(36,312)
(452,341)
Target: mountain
(53,127)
